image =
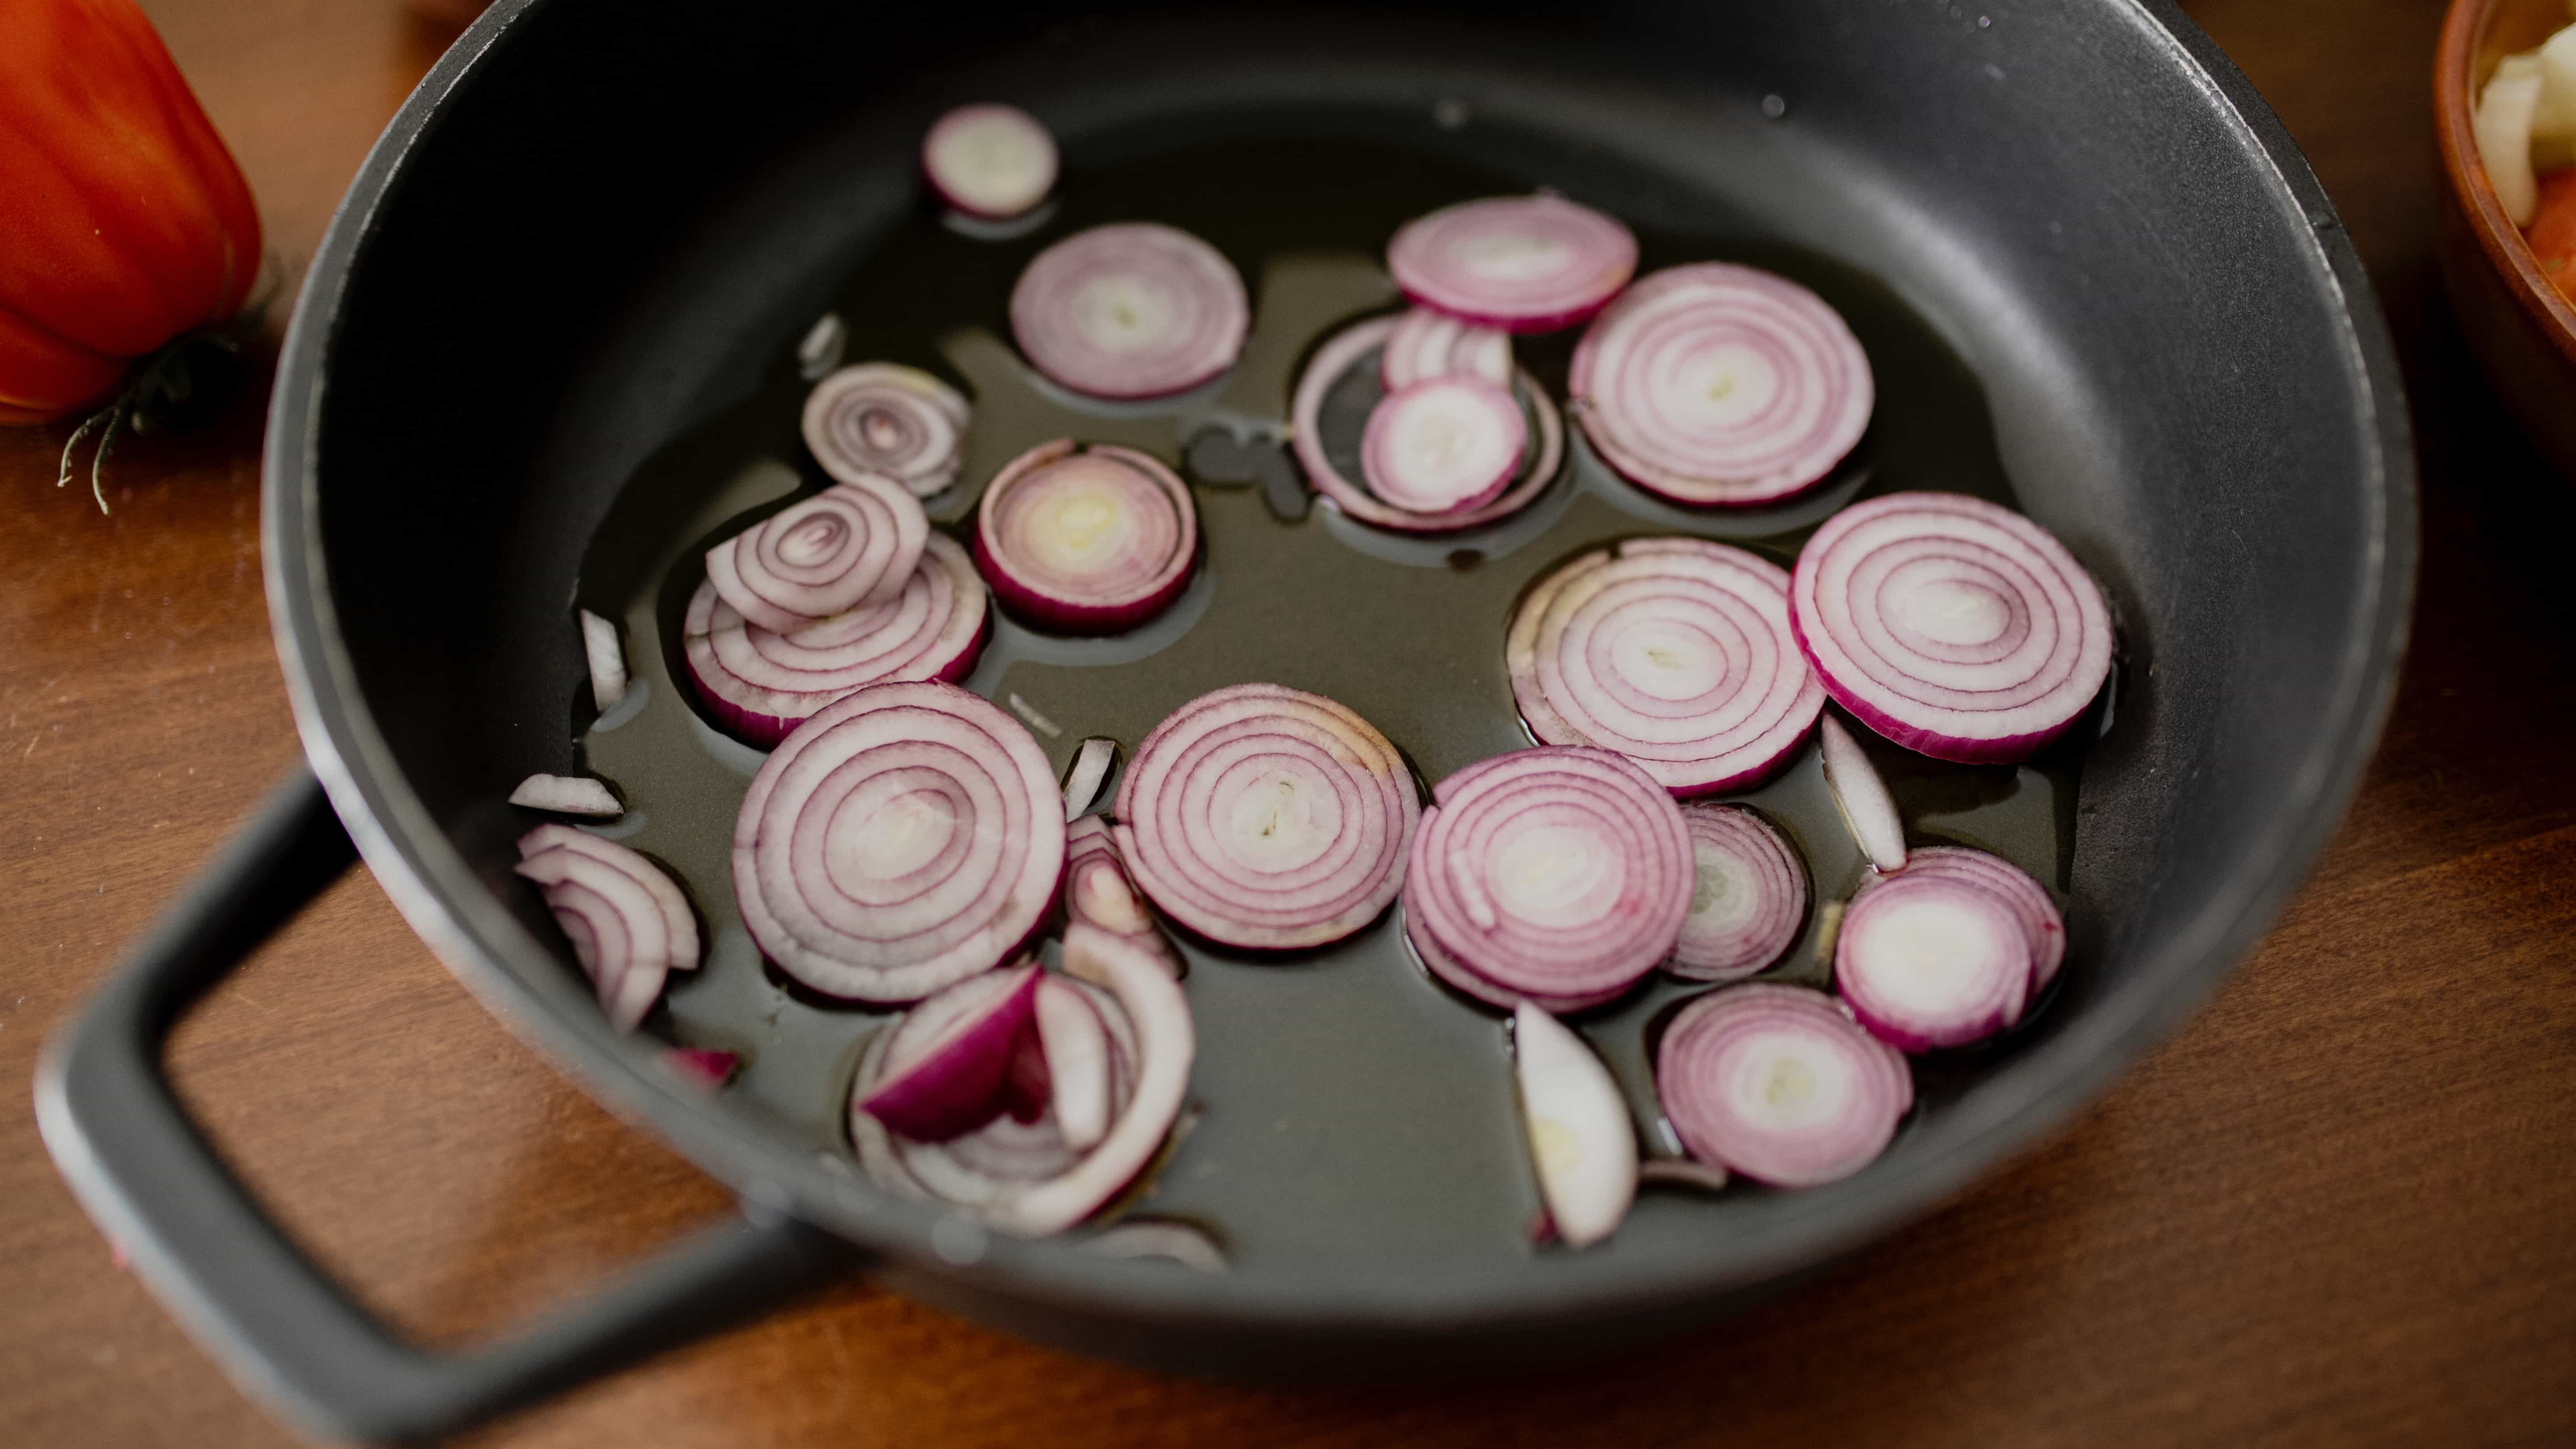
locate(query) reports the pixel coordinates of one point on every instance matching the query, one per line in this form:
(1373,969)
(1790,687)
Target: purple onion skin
(703,1067)
(766,731)
(959,1086)
(1048,612)
(1915,1034)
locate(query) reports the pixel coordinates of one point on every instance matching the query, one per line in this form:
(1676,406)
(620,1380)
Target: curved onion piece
(704,1068)
(1553,875)
(1719,385)
(1099,892)
(1958,629)
(853,544)
(819,350)
(627,921)
(1579,1134)
(759,684)
(883,419)
(1675,652)
(1267,818)
(905,837)
(1443,444)
(1094,541)
(1425,343)
(989,161)
(567,795)
(1077,1054)
(1130,310)
(607,660)
(2030,902)
(1334,361)
(1778,1084)
(1748,897)
(946,1068)
(1523,263)
(1183,1243)
(1932,960)
(1093,759)
(1682,1172)
(1868,811)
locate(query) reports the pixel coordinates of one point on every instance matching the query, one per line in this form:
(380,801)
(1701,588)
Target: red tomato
(123,220)
(2552,232)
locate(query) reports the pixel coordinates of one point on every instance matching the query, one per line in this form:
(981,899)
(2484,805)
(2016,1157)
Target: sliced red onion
(1868,811)
(1957,628)
(759,684)
(1779,1084)
(1932,960)
(989,160)
(627,921)
(1715,384)
(1093,759)
(1075,1043)
(886,420)
(1424,343)
(704,1068)
(567,795)
(1580,1138)
(1443,444)
(905,837)
(1093,541)
(1183,1243)
(1682,1172)
(1099,892)
(607,661)
(852,544)
(1330,364)
(1748,897)
(1675,652)
(1523,263)
(2030,901)
(946,1068)
(1130,310)
(1267,818)
(1552,875)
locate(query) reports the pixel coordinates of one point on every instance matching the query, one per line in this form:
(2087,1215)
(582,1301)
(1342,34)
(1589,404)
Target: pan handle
(286,1332)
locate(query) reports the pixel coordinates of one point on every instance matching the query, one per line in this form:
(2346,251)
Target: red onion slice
(1523,263)
(1098,891)
(1267,818)
(852,544)
(1554,875)
(1748,896)
(2030,901)
(1932,960)
(905,837)
(1093,759)
(989,160)
(607,660)
(759,684)
(885,420)
(1424,343)
(1778,1084)
(704,1068)
(1580,1138)
(1675,652)
(1714,384)
(1078,1063)
(1130,310)
(945,1068)
(567,795)
(1443,444)
(1957,628)
(1093,541)
(1868,811)
(627,921)
(1335,360)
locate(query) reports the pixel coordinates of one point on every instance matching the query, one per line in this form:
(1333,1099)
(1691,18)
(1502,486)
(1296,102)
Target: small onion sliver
(906,837)
(1749,896)
(1721,385)
(607,660)
(883,419)
(1576,1119)
(945,1070)
(1093,759)
(991,161)
(1183,1243)
(1932,960)
(1130,310)
(1443,444)
(1090,540)
(1099,892)
(2030,901)
(1955,627)
(1267,818)
(704,1068)
(627,921)
(1522,263)
(1676,652)
(1330,364)
(1425,343)
(1779,1084)
(1868,811)
(1076,1048)
(567,795)
(759,683)
(853,544)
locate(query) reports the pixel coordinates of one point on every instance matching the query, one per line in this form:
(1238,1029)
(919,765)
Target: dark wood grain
(2338,1208)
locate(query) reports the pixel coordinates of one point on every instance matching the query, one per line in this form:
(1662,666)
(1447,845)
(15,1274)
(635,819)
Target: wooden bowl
(2522,329)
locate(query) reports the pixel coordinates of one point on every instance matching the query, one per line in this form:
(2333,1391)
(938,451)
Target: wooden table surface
(2340,1207)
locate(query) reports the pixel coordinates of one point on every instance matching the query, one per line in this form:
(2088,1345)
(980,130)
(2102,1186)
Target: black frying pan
(601,224)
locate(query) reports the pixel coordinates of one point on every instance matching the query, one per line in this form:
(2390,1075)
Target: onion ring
(851,545)
(883,419)
(1522,263)
(1130,310)
(1333,361)
(1749,895)
(1093,540)
(1779,1084)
